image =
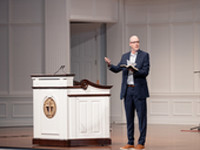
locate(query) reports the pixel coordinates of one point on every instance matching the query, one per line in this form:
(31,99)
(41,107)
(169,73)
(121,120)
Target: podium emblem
(49,107)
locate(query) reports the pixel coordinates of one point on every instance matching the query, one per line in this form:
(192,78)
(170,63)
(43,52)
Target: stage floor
(159,137)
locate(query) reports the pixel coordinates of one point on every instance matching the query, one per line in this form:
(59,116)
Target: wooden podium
(69,113)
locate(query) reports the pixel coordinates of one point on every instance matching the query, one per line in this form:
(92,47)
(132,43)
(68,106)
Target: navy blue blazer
(142,63)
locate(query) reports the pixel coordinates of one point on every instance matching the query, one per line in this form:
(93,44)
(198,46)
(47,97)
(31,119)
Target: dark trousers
(131,104)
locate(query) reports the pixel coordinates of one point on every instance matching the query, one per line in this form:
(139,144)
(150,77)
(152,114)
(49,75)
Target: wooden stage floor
(159,137)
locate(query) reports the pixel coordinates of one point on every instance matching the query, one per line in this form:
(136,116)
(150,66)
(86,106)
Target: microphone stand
(197,127)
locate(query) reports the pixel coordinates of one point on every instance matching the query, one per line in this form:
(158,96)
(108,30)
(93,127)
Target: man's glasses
(135,42)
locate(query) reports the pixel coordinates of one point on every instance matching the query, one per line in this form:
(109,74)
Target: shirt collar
(134,54)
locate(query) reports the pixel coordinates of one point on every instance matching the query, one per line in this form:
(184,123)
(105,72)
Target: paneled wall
(21,53)
(169,31)
(35,39)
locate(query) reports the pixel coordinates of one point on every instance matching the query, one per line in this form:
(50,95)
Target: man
(134,90)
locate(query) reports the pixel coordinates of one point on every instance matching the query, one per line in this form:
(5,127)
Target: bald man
(134,90)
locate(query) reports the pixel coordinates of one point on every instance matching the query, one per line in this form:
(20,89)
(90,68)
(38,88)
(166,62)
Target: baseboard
(74,142)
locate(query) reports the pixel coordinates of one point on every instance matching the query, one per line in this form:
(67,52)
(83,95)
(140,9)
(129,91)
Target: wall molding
(3,106)
(159,103)
(18,106)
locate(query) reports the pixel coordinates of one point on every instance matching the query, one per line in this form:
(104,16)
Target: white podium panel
(89,117)
(51,128)
(67,114)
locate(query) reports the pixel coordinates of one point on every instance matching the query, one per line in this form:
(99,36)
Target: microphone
(61,68)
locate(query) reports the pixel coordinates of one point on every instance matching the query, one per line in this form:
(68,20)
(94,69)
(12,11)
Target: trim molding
(83,84)
(51,75)
(88,95)
(50,87)
(75,142)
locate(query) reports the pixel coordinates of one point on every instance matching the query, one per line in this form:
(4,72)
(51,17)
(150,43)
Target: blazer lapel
(128,57)
(138,58)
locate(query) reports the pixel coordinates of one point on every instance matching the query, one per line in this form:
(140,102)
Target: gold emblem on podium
(49,107)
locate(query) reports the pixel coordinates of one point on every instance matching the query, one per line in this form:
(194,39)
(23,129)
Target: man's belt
(131,85)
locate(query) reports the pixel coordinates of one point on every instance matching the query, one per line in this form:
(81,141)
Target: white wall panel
(4,59)
(19,109)
(197,46)
(106,9)
(158,13)
(82,8)
(21,54)
(3,11)
(181,11)
(198,108)
(182,108)
(135,13)
(159,108)
(26,11)
(3,110)
(94,10)
(16,111)
(182,58)
(196,15)
(197,56)
(26,56)
(173,109)
(160,58)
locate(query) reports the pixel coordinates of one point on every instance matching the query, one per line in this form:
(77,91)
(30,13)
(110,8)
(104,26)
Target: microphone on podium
(61,68)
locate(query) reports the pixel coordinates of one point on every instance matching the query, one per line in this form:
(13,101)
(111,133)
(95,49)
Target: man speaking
(134,90)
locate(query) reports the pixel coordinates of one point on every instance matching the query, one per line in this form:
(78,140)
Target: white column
(57,45)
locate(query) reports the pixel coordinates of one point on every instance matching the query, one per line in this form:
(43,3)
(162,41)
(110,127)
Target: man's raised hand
(107,60)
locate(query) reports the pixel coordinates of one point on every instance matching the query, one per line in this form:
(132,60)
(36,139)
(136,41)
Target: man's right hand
(107,60)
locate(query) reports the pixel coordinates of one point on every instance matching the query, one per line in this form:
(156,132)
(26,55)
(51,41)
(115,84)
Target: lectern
(69,113)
